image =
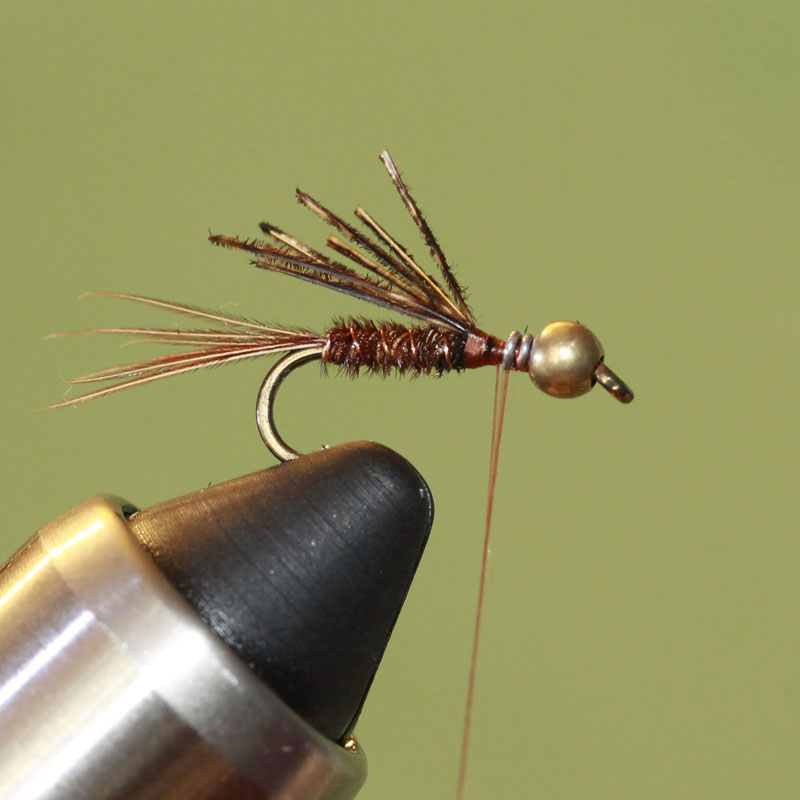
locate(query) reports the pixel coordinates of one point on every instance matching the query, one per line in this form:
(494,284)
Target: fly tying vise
(565,360)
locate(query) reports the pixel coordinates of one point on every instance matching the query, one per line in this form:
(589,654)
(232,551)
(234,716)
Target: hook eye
(612,383)
(265,405)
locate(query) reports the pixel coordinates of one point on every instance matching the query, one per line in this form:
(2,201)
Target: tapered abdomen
(388,347)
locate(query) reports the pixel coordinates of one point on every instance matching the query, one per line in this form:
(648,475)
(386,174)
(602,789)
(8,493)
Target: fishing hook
(265,403)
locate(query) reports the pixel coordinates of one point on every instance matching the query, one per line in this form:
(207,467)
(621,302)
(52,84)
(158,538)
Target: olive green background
(631,165)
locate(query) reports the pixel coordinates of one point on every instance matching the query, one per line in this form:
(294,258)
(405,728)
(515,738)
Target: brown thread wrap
(389,346)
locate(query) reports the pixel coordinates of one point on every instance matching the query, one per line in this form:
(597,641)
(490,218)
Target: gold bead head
(564,358)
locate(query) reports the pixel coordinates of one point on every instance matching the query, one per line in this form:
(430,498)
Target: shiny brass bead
(564,358)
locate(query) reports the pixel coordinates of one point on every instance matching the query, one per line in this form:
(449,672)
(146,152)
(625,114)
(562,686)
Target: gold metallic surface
(350,744)
(564,359)
(613,384)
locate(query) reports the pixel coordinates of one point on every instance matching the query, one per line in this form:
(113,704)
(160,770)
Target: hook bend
(265,405)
